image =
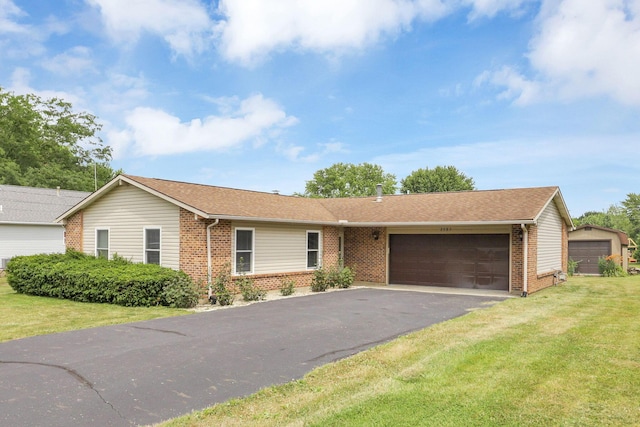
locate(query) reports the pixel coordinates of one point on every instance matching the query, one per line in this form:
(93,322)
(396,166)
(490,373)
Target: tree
(615,217)
(631,207)
(45,143)
(439,179)
(349,180)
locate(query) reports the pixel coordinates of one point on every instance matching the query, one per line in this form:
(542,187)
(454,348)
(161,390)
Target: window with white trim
(102,243)
(313,249)
(152,245)
(244,250)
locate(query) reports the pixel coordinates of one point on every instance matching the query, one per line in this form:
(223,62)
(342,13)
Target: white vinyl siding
(127,211)
(21,239)
(549,240)
(279,248)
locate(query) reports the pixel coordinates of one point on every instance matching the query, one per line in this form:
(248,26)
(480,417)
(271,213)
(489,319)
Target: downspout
(209,273)
(525,261)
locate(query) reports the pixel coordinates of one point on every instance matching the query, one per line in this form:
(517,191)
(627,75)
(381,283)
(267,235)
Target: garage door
(452,260)
(588,252)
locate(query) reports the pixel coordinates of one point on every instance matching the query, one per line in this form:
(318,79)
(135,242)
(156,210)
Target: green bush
(333,277)
(85,278)
(572,266)
(319,281)
(609,267)
(249,291)
(223,286)
(288,287)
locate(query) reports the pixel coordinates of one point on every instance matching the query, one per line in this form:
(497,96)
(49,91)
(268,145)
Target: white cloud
(75,61)
(251,29)
(581,49)
(155,132)
(182,23)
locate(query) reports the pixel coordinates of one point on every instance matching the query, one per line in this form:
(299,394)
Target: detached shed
(589,243)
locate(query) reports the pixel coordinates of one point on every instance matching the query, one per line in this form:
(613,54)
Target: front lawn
(24,315)
(568,355)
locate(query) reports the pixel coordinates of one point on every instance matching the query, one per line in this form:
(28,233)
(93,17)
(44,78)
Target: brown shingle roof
(229,202)
(470,207)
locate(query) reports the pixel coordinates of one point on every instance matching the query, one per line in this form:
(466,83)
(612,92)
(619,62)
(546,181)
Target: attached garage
(479,261)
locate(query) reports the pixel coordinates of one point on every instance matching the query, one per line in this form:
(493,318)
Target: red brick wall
(73,232)
(366,255)
(330,249)
(517,260)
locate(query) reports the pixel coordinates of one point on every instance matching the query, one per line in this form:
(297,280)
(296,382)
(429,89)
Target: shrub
(288,287)
(85,278)
(223,285)
(610,267)
(319,281)
(250,292)
(334,277)
(340,277)
(572,266)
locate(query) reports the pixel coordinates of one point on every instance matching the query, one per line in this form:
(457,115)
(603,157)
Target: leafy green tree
(615,217)
(631,207)
(349,180)
(438,179)
(45,143)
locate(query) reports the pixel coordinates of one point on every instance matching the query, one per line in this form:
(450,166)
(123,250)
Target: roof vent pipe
(378,193)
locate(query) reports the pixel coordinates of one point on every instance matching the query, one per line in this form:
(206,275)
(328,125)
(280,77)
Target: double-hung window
(152,246)
(244,250)
(313,249)
(102,243)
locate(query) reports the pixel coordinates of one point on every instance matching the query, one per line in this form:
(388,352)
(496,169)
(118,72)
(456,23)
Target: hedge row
(80,277)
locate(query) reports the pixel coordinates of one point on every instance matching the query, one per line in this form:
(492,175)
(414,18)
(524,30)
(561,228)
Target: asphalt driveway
(146,372)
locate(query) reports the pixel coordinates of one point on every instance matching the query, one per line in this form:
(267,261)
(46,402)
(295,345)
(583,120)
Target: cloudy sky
(260,94)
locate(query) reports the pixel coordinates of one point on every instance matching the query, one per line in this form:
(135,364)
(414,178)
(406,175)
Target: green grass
(24,315)
(565,356)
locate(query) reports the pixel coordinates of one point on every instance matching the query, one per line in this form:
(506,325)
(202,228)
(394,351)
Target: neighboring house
(27,219)
(589,243)
(513,240)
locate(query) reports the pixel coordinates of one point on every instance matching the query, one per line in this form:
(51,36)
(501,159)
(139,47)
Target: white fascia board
(562,209)
(279,220)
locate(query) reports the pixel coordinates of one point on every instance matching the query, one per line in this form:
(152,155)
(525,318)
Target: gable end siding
(550,241)
(126,211)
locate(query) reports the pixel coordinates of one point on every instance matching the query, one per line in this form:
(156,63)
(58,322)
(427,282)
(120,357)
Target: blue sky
(260,94)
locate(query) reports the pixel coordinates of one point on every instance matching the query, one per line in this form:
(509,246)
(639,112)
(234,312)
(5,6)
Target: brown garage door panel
(587,253)
(452,260)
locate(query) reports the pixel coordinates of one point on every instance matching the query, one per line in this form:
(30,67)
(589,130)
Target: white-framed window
(152,245)
(243,251)
(102,243)
(313,249)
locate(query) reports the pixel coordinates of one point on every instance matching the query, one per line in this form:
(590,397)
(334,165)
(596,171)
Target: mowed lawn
(24,315)
(565,356)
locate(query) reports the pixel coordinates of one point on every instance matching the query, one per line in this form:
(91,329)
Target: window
(244,250)
(102,243)
(152,246)
(313,249)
